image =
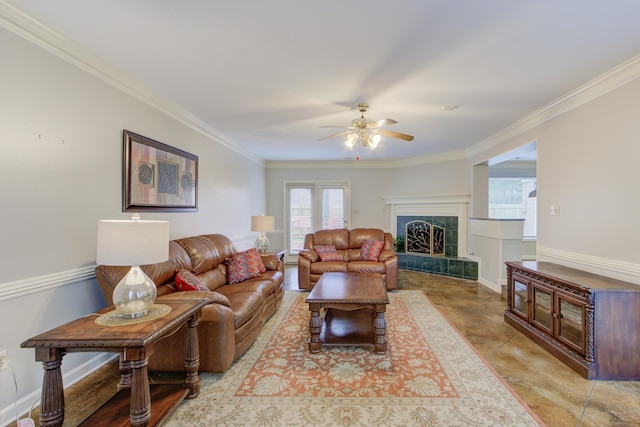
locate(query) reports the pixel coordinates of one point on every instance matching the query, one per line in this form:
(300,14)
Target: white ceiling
(268,74)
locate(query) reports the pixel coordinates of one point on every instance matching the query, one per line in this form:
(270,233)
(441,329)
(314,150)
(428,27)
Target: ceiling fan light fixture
(351,140)
(367,131)
(374,140)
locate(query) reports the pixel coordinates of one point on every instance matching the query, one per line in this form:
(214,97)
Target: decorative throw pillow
(328,253)
(370,250)
(244,265)
(187,281)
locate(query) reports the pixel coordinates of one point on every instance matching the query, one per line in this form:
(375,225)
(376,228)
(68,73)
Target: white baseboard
(32,400)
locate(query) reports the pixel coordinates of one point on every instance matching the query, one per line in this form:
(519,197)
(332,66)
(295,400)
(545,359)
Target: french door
(314,206)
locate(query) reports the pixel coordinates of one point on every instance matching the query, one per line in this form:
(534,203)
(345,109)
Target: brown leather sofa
(348,244)
(229,324)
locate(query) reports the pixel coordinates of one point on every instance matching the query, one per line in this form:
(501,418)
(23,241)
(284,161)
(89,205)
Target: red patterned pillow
(244,265)
(187,281)
(370,250)
(328,253)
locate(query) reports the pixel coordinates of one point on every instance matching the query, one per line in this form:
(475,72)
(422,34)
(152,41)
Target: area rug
(430,376)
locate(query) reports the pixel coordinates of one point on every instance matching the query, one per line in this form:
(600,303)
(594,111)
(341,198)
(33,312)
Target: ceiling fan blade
(335,135)
(393,134)
(382,122)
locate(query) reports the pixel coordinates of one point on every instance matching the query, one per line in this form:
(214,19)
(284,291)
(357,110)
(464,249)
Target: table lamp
(263,224)
(134,243)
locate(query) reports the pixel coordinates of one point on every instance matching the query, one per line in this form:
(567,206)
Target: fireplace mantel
(428,199)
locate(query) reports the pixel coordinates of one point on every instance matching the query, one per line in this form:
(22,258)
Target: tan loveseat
(227,326)
(348,244)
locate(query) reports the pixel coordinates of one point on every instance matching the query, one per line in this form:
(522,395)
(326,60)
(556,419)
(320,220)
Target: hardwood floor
(558,395)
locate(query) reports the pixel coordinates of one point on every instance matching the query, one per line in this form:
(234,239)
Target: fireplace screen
(424,238)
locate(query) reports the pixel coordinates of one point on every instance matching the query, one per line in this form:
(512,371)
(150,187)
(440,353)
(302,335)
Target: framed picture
(157,177)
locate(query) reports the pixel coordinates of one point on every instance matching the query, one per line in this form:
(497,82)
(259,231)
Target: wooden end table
(134,343)
(279,253)
(354,305)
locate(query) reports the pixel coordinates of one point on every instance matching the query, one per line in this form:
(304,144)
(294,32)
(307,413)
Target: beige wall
(369,183)
(60,172)
(587,165)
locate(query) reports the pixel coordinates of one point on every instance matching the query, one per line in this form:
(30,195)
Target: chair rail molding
(621,270)
(31,285)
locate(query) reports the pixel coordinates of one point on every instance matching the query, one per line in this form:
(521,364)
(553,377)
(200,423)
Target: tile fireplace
(432,235)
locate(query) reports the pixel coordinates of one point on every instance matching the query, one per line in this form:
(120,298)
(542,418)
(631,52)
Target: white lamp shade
(262,223)
(122,243)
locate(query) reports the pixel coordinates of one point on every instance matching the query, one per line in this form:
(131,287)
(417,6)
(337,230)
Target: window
(314,206)
(509,199)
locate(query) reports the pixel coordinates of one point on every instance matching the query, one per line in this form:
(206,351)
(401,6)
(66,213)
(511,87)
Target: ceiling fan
(368,130)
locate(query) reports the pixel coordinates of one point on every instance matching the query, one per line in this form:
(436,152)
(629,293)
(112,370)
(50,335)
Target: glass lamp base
(135,294)
(262,243)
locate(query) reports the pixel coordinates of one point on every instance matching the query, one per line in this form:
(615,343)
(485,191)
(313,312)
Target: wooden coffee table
(354,305)
(135,345)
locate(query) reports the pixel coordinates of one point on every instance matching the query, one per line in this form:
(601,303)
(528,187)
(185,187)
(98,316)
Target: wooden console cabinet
(590,322)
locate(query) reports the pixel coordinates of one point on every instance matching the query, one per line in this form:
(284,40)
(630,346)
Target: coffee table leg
(192,358)
(380,333)
(315,326)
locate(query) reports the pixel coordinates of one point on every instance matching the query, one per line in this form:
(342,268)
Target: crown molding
(605,83)
(18,22)
(368,164)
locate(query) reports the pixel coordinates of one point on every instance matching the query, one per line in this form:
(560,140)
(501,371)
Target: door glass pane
(520,298)
(300,211)
(332,208)
(542,307)
(571,322)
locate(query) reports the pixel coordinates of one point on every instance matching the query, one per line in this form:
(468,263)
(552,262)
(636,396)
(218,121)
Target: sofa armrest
(305,258)
(271,262)
(309,254)
(213,297)
(391,272)
(387,254)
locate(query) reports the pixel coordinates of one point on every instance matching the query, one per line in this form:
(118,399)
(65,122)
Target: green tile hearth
(446,266)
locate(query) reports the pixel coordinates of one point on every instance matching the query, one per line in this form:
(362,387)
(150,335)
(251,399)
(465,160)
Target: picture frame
(157,177)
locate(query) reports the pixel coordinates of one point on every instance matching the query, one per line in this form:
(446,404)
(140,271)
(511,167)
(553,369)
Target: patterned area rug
(430,376)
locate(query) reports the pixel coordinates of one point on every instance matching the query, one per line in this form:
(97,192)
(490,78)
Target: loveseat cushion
(366,267)
(338,238)
(324,267)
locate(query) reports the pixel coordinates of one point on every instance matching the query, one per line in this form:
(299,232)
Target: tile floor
(558,395)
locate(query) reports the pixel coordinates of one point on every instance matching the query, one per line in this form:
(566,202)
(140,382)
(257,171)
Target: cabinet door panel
(543,308)
(571,315)
(520,301)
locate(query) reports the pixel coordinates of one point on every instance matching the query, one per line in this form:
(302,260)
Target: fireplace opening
(422,237)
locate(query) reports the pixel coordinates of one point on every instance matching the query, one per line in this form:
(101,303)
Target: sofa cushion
(328,253)
(187,281)
(370,250)
(244,266)
(202,252)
